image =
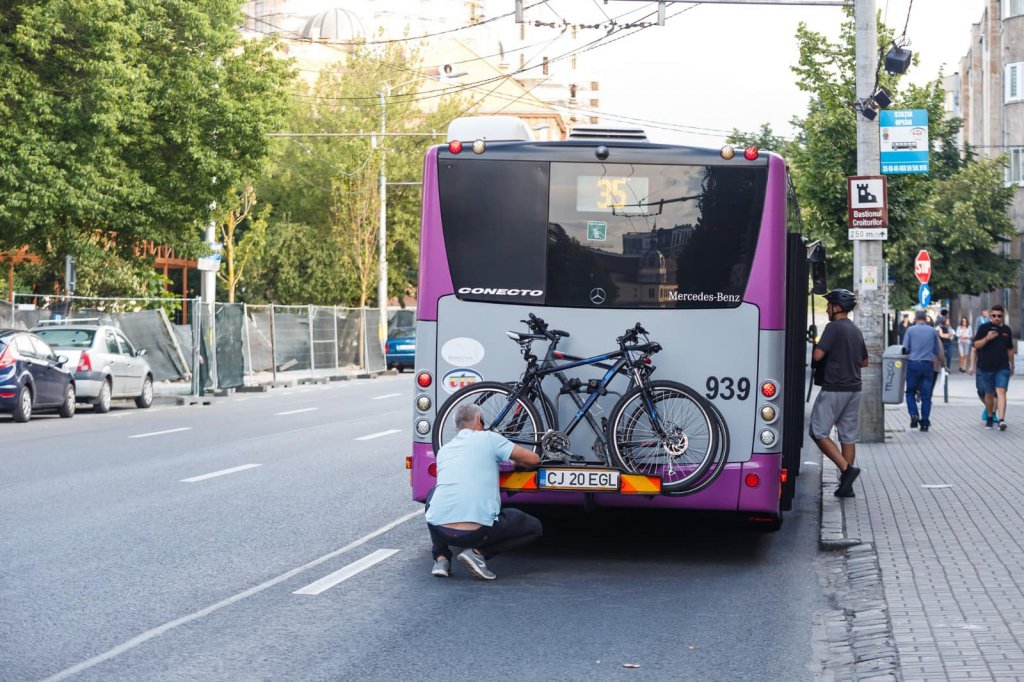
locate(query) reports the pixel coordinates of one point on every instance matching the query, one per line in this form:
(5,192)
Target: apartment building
(988,93)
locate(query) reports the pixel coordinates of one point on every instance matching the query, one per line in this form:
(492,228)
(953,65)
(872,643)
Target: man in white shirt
(464,509)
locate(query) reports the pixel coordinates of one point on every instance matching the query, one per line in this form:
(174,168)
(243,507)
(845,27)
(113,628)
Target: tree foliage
(128,117)
(957,211)
(325,190)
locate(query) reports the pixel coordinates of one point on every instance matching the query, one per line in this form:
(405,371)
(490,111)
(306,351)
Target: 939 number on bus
(727,388)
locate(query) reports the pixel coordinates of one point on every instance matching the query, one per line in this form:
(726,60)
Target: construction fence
(235,343)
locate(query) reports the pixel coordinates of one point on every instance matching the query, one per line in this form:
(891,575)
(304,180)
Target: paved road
(125,557)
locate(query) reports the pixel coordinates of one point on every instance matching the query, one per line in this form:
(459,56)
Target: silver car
(105,363)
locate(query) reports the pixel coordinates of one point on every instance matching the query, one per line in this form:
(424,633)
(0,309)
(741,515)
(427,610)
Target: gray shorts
(839,409)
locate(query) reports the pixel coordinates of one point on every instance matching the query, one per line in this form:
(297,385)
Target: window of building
(1015,172)
(1013,8)
(1013,76)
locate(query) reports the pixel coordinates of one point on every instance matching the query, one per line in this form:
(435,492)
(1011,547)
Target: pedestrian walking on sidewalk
(922,345)
(946,336)
(904,326)
(964,340)
(994,345)
(842,352)
(464,509)
(980,319)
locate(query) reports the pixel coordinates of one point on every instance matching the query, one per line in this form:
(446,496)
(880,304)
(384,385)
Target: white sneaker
(441,568)
(475,563)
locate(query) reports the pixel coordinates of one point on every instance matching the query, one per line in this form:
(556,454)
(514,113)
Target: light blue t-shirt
(467,478)
(921,342)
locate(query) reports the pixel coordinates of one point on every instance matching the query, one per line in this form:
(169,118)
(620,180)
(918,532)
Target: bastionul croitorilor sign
(867,207)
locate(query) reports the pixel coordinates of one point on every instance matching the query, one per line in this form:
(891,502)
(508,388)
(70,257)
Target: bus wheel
(520,423)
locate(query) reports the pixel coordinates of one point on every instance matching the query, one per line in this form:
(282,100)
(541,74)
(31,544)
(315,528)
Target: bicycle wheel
(521,422)
(688,444)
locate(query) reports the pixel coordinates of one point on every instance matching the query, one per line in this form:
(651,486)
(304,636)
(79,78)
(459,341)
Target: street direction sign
(924,295)
(867,207)
(923,266)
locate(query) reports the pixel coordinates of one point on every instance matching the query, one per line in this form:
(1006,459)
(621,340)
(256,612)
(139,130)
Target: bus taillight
(408,462)
(750,153)
(769,389)
(424,379)
(752,480)
(455,146)
(432,469)
(783,475)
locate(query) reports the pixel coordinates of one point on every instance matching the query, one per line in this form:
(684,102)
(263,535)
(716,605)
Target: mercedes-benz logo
(598,296)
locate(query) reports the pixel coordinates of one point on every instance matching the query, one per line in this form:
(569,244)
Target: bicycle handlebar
(539,326)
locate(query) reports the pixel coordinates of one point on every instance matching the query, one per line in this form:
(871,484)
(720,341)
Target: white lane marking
(354,568)
(307,409)
(160,433)
(161,629)
(379,435)
(222,472)
(389,395)
(935,486)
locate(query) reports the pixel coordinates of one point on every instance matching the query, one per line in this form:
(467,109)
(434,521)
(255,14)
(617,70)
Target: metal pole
(208,292)
(382,275)
(248,343)
(337,364)
(312,347)
(871,302)
(197,339)
(273,344)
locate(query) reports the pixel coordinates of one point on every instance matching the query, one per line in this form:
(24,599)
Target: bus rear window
(601,235)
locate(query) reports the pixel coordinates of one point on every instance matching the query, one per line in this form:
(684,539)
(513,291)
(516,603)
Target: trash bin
(894,374)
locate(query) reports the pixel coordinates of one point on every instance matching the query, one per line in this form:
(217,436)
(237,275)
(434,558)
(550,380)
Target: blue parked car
(400,348)
(33,377)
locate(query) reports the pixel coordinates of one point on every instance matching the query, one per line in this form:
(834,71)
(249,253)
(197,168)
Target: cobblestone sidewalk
(944,513)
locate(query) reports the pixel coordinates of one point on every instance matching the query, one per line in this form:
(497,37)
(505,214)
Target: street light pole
(867,253)
(382,243)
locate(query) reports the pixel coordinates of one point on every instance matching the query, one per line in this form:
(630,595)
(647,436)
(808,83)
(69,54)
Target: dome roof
(334,25)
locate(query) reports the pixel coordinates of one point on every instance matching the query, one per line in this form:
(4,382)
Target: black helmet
(844,298)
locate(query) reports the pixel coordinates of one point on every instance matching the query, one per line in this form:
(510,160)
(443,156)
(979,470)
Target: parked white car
(105,363)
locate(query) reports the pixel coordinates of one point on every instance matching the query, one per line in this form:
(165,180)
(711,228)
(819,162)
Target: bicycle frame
(534,377)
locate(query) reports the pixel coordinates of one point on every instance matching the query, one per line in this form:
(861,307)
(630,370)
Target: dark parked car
(400,348)
(105,363)
(33,377)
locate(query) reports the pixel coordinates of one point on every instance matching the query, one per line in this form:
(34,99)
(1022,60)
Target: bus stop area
(927,572)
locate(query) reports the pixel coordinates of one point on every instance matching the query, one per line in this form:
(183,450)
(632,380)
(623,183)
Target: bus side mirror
(819,278)
(819,270)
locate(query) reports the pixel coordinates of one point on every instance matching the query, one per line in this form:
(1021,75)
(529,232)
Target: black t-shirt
(844,352)
(993,356)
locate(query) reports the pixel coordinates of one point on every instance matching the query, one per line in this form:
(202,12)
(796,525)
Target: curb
(832,529)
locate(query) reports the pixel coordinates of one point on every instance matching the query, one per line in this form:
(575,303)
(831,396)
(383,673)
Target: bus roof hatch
(490,128)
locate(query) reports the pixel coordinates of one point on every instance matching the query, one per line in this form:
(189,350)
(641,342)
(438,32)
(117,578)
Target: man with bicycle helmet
(842,353)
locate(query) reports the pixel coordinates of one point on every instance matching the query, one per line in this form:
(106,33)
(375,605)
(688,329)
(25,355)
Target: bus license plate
(578,479)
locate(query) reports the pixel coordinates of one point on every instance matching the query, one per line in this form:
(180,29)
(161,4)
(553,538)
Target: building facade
(988,93)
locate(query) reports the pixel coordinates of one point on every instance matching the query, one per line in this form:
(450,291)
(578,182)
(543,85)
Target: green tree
(825,153)
(329,185)
(128,118)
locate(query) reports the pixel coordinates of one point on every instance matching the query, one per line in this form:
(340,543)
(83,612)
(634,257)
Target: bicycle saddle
(520,337)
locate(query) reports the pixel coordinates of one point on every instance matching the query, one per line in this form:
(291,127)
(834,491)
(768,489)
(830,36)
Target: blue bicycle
(656,428)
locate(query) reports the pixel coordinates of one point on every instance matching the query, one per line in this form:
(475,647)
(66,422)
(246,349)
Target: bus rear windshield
(601,235)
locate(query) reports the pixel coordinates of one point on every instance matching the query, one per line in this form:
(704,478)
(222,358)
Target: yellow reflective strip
(632,483)
(518,480)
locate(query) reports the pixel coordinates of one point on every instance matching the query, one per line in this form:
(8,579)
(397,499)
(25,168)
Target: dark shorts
(988,382)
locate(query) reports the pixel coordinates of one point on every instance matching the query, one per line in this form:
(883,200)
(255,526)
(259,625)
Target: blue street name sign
(924,295)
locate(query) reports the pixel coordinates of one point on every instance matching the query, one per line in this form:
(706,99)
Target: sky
(718,67)
(711,68)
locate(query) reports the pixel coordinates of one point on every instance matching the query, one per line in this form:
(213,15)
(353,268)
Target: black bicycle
(656,428)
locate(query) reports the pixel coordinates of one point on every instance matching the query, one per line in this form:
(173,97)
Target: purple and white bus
(594,235)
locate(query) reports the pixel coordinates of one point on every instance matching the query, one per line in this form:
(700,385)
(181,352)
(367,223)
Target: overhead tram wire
(390,41)
(440,92)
